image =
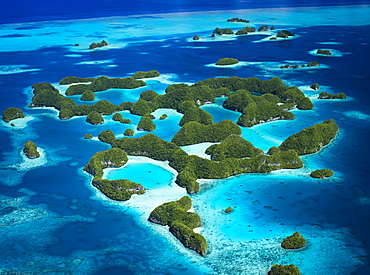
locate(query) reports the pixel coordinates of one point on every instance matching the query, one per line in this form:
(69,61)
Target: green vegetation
(311,139)
(104,83)
(229,210)
(88,136)
(233,146)
(294,241)
(30,149)
(263,28)
(88,96)
(245,30)
(284,270)
(323,52)
(129,132)
(236,19)
(119,190)
(325,95)
(227,61)
(195,37)
(107,136)
(222,31)
(193,113)
(98,45)
(141,107)
(118,117)
(315,86)
(285,34)
(73,79)
(94,118)
(181,222)
(313,64)
(164,116)
(194,132)
(146,124)
(304,104)
(322,173)
(12,113)
(148,74)
(148,95)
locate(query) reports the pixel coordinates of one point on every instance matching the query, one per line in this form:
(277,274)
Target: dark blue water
(61,187)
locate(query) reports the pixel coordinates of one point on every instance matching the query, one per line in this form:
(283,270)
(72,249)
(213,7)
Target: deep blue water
(111,237)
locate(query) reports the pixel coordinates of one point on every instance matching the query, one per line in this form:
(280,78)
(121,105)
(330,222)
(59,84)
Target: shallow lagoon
(80,231)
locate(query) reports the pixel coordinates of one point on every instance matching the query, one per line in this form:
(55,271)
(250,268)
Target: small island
(263,28)
(237,19)
(322,173)
(12,113)
(315,86)
(285,34)
(227,61)
(310,64)
(229,210)
(325,95)
(94,118)
(323,52)
(147,74)
(181,223)
(146,124)
(219,31)
(245,30)
(294,241)
(196,37)
(284,270)
(30,150)
(88,136)
(98,45)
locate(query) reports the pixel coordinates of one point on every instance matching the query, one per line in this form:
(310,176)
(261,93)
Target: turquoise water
(52,218)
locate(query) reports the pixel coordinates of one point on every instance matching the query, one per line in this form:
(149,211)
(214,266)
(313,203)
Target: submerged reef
(30,149)
(12,113)
(98,45)
(294,241)
(181,223)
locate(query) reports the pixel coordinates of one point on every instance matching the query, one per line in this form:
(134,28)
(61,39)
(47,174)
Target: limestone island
(229,210)
(315,86)
(323,52)
(245,30)
(310,64)
(322,173)
(12,113)
(98,45)
(30,149)
(236,19)
(227,61)
(325,95)
(181,223)
(196,37)
(284,270)
(285,34)
(221,32)
(294,241)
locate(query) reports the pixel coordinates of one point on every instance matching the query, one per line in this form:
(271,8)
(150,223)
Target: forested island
(12,113)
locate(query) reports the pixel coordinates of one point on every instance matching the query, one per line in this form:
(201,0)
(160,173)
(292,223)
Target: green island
(310,64)
(196,37)
(181,223)
(88,136)
(103,43)
(95,118)
(88,96)
(219,31)
(227,61)
(323,52)
(147,74)
(146,124)
(285,34)
(284,270)
(237,19)
(229,210)
(129,132)
(120,190)
(12,113)
(263,28)
(322,173)
(311,139)
(294,241)
(245,30)
(30,150)
(325,95)
(118,117)
(315,86)
(192,112)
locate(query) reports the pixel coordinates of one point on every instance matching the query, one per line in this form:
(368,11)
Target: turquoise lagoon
(54,221)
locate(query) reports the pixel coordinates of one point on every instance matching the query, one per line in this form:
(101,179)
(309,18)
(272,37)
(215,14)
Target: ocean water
(53,221)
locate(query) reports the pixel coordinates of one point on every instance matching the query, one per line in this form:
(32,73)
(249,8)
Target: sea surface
(53,221)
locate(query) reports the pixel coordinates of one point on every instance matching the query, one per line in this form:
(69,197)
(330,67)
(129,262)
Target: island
(229,210)
(129,132)
(147,74)
(12,113)
(119,190)
(219,31)
(30,150)
(245,30)
(325,95)
(146,124)
(263,28)
(284,270)
(196,37)
(236,19)
(88,96)
(294,241)
(118,117)
(315,86)
(181,223)
(310,64)
(103,43)
(163,117)
(88,136)
(94,118)
(322,173)
(285,34)
(227,61)
(311,139)
(323,52)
